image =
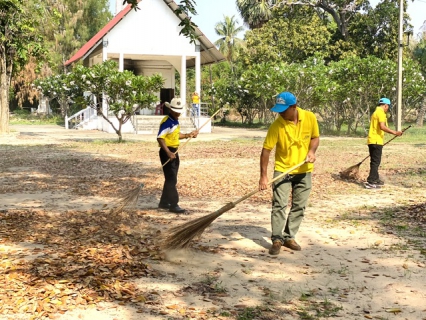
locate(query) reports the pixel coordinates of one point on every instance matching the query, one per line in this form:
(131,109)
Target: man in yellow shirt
(295,135)
(378,127)
(168,139)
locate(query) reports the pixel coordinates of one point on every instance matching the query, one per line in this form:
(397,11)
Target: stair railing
(82,116)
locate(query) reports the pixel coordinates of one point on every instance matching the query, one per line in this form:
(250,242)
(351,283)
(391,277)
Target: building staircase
(140,124)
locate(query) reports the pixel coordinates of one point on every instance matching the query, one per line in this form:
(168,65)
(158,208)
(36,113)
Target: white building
(147,41)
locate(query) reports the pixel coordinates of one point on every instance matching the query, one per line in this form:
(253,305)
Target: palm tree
(255,13)
(228,43)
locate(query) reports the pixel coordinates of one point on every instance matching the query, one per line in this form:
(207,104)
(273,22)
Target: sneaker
(177,209)
(369,185)
(275,248)
(163,206)
(377,182)
(292,244)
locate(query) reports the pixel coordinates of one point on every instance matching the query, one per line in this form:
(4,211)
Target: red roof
(209,53)
(89,45)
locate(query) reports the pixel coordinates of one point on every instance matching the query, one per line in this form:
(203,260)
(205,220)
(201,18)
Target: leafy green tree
(228,43)
(255,13)
(300,36)
(61,88)
(19,40)
(340,11)
(72,24)
(342,92)
(66,26)
(123,92)
(419,54)
(375,32)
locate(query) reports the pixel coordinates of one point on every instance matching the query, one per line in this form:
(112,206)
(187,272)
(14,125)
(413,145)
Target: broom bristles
(351,172)
(128,200)
(181,236)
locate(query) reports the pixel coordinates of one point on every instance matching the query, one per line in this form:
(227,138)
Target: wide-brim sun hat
(175,105)
(283,101)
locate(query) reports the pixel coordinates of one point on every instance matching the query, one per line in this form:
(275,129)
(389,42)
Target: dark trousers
(170,170)
(375,159)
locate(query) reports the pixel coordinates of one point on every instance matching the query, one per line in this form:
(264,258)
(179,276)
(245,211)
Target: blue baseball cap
(385,101)
(283,101)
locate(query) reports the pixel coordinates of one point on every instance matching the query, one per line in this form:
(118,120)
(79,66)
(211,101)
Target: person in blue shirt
(168,139)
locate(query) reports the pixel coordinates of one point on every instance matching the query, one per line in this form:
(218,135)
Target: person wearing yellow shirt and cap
(295,137)
(378,127)
(168,139)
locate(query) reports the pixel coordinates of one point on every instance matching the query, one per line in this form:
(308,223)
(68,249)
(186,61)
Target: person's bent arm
(388,130)
(163,146)
(313,146)
(192,134)
(264,160)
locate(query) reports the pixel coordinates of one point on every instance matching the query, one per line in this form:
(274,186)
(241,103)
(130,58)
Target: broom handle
(191,137)
(248,195)
(394,137)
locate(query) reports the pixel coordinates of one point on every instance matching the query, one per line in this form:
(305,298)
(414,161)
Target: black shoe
(380,182)
(177,209)
(164,205)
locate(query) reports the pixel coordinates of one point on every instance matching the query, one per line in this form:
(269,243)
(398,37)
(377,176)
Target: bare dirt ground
(64,255)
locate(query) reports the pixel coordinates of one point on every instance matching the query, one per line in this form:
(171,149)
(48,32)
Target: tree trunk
(4,95)
(421,114)
(6,67)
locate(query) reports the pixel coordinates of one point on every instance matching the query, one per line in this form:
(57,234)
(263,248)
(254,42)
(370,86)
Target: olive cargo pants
(285,226)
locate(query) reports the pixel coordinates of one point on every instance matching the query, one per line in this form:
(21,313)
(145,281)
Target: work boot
(292,244)
(275,248)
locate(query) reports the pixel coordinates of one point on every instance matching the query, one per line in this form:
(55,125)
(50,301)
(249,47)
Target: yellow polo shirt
(375,134)
(196,99)
(169,131)
(292,141)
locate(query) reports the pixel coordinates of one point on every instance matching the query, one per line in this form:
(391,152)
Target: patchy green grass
(314,309)
(23,117)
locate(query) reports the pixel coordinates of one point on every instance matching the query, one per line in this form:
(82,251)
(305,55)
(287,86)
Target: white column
(198,74)
(183,84)
(104,104)
(104,50)
(121,62)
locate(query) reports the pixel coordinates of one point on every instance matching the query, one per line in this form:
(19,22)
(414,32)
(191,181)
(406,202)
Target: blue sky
(211,12)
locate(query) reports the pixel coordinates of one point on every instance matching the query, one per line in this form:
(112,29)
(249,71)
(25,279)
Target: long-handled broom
(352,173)
(180,237)
(130,199)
